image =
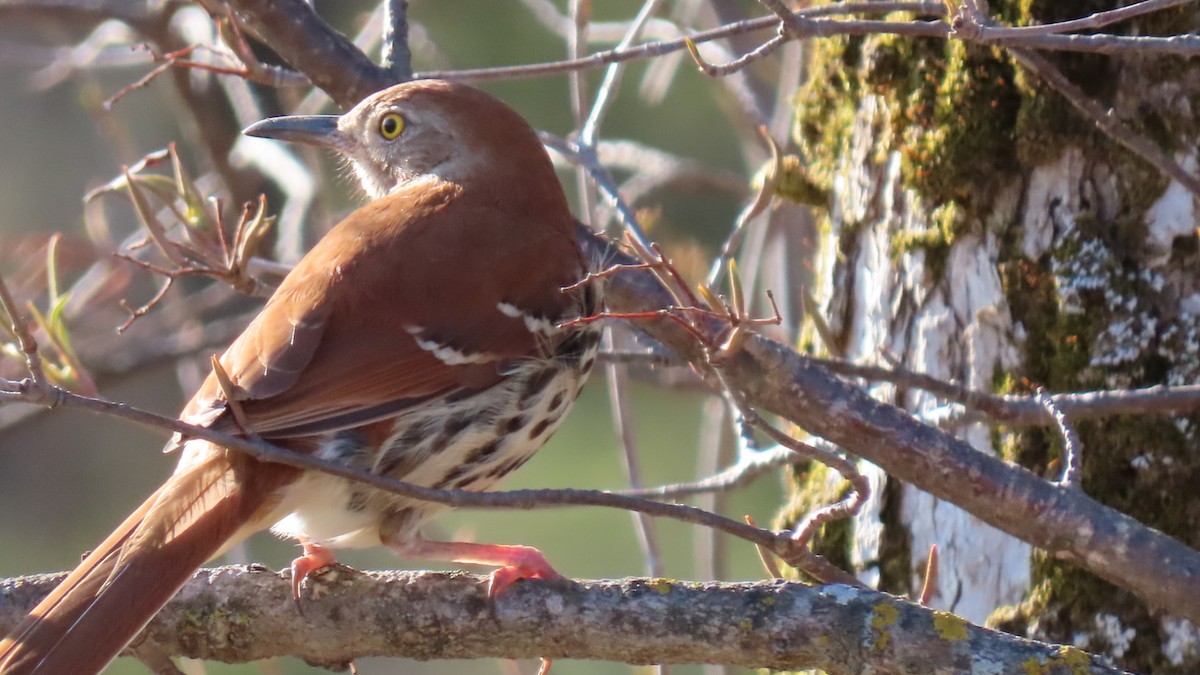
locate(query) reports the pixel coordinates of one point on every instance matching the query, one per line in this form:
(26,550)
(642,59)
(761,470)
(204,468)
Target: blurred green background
(66,478)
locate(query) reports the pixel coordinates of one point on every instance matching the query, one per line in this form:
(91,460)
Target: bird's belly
(468,443)
(318,508)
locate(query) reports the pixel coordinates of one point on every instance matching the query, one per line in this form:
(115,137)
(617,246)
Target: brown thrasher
(418,339)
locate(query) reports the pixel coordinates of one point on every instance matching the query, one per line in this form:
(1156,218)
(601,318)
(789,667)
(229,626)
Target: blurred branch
(741,473)
(662,47)
(298,34)
(80,11)
(397,57)
(1015,410)
(623,424)
(430,615)
(38,391)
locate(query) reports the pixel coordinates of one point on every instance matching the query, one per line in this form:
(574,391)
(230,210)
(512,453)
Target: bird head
(420,129)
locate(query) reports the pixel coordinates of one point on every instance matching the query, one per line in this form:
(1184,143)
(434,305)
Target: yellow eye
(391,125)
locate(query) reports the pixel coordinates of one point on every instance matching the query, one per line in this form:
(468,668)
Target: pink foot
(315,557)
(526,563)
(513,562)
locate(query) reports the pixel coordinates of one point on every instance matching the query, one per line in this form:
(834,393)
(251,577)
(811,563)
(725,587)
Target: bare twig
(766,193)
(1015,410)
(847,507)
(606,94)
(736,65)
(1092,22)
(747,468)
(623,422)
(1104,119)
(710,560)
(514,499)
(1072,447)
(662,47)
(640,358)
(37,389)
(768,561)
(397,57)
(929,585)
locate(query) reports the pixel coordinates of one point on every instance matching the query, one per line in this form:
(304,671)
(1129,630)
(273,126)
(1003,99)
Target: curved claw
(315,557)
(503,577)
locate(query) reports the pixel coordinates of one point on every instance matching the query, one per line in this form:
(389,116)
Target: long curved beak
(320,130)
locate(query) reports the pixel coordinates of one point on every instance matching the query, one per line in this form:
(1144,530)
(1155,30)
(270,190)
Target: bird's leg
(512,562)
(315,557)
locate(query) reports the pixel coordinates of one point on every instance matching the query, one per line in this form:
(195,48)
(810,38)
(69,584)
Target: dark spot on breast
(505,469)
(513,424)
(539,428)
(577,343)
(400,460)
(457,423)
(413,435)
(483,453)
(454,474)
(463,482)
(556,401)
(536,384)
(357,501)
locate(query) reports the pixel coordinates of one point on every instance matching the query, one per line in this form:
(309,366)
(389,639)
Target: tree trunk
(982,231)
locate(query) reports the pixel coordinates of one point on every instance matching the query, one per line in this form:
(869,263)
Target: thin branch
(1072,447)
(1092,22)
(581,17)
(397,57)
(762,200)
(622,413)
(1018,411)
(736,65)
(846,507)
(662,47)
(639,358)
(585,156)
(606,94)
(710,558)
(745,470)
(38,386)
(513,499)
(1105,120)
(805,27)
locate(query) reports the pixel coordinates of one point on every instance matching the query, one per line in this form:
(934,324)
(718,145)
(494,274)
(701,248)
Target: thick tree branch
(238,614)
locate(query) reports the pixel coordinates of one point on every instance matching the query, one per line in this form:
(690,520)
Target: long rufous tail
(103,604)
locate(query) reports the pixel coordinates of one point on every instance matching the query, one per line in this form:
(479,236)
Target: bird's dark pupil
(389,126)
